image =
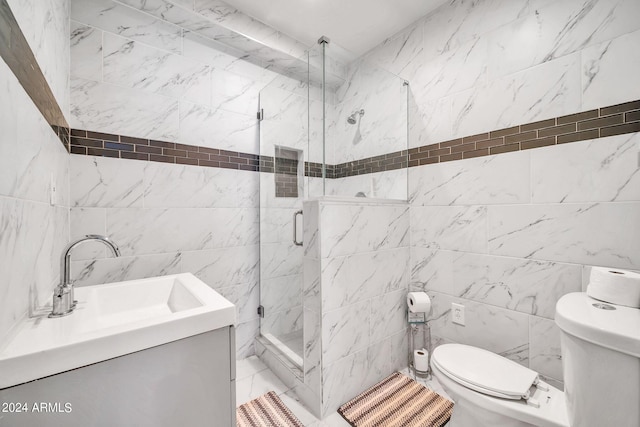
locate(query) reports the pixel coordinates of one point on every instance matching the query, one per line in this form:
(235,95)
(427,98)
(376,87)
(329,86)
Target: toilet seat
(484,371)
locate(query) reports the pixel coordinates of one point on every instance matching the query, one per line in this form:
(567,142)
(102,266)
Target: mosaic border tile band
(15,51)
(599,123)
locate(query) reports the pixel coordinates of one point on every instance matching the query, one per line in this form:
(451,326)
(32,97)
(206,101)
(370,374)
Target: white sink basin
(112,320)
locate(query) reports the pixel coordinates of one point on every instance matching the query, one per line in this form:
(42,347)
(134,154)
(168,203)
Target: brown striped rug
(267,410)
(397,401)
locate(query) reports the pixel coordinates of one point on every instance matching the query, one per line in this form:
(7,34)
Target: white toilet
(601,363)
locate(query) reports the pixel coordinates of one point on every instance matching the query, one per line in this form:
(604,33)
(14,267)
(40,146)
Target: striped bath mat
(397,401)
(266,411)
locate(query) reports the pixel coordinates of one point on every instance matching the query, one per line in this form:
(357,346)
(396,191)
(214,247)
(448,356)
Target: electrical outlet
(457,313)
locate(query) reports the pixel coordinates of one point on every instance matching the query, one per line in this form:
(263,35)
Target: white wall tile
(86,52)
(345,331)
(221,268)
(501,179)
(597,234)
(544,353)
(599,170)
(462,228)
(431,270)
(607,81)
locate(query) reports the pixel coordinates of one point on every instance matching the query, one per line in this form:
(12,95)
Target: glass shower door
(283,150)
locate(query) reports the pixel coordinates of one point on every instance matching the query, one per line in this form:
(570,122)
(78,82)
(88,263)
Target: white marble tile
(541,92)
(312,339)
(352,228)
(388,315)
(280,259)
(501,179)
(462,228)
(233,92)
(85,221)
(401,53)
(503,331)
(352,278)
(558,29)
(281,293)
(311,290)
(432,270)
(275,133)
(380,185)
(607,69)
(246,297)
(527,286)
(310,230)
(282,323)
(276,225)
(285,106)
(106,182)
(86,51)
(385,357)
(453,71)
(429,120)
(127,22)
(297,407)
(258,384)
(113,109)
(45,25)
(544,352)
(220,268)
(335,390)
(595,234)
(234,227)
(109,269)
(168,185)
(345,331)
(248,367)
(135,65)
(246,334)
(157,230)
(233,131)
(599,170)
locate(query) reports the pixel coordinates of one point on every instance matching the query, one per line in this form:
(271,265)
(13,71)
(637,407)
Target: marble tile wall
(356,275)
(33,230)
(508,235)
(45,25)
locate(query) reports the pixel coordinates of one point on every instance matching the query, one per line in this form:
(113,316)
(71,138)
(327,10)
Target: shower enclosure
(333,128)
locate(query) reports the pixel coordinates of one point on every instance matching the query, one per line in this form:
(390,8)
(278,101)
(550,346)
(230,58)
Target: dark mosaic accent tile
(78,132)
(183,147)
(78,150)
(134,156)
(217,158)
(432,147)
(578,117)
(103,136)
(148,149)
(473,138)
(504,132)
(208,150)
(505,148)
(172,152)
(464,147)
(87,142)
(228,153)
(102,152)
(132,140)
(197,155)
(161,144)
(450,143)
(618,130)
(163,159)
(118,146)
(536,143)
(520,137)
(186,161)
(489,143)
(441,151)
(475,153)
(451,157)
(632,116)
(557,130)
(578,136)
(229,165)
(209,163)
(620,108)
(601,122)
(538,125)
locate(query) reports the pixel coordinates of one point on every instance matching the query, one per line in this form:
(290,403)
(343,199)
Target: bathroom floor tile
(258,384)
(249,366)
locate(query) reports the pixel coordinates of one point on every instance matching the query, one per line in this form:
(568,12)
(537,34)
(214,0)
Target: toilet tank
(601,361)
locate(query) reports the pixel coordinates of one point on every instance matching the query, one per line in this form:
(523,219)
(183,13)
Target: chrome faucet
(63,302)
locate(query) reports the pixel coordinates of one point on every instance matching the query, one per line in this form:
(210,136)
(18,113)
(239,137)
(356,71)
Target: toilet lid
(484,371)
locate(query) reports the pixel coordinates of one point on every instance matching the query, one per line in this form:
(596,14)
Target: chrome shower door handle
(295,229)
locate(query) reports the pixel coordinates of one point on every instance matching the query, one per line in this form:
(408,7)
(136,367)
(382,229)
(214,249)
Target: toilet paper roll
(418,302)
(615,286)
(421,360)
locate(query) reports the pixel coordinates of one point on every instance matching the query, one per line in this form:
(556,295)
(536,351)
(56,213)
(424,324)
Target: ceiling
(357,25)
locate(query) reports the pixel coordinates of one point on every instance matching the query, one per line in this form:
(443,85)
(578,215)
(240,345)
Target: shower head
(352,118)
